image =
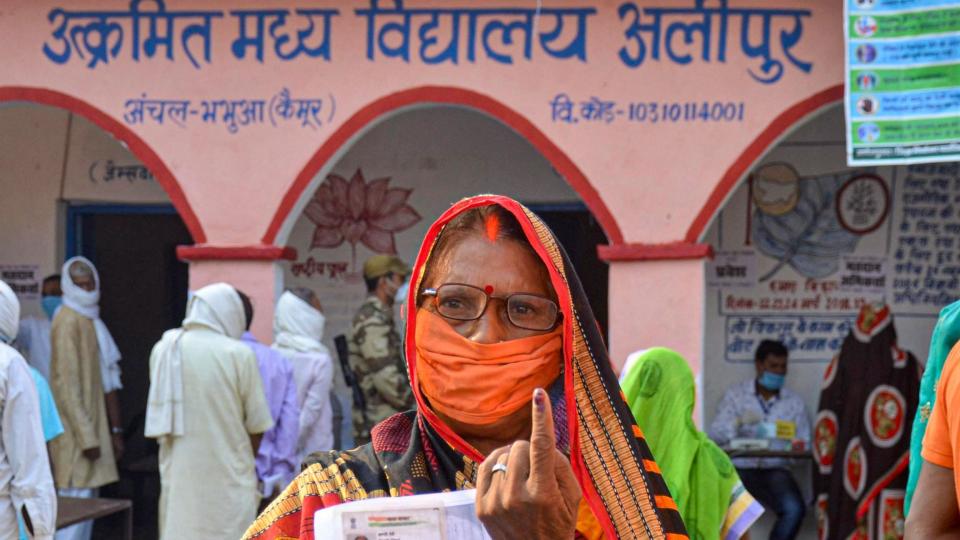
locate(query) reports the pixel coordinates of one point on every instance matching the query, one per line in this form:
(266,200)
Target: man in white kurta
(25,480)
(298,328)
(207,409)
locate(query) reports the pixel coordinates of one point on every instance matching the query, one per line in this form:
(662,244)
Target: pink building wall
(653,186)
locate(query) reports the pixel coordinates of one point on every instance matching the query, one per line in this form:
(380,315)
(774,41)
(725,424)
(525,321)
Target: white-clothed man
(33,340)
(84,377)
(25,481)
(207,409)
(298,328)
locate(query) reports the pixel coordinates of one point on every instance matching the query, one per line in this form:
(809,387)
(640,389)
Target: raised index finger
(542,441)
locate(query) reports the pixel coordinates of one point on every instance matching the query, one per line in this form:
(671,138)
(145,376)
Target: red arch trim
(236,253)
(673,251)
(757,148)
(136,145)
(452,96)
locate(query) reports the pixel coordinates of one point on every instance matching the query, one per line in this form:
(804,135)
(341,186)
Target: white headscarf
(631,361)
(9,314)
(297,325)
(87,303)
(84,302)
(215,307)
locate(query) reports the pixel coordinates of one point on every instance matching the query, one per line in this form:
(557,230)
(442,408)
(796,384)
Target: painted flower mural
(358,212)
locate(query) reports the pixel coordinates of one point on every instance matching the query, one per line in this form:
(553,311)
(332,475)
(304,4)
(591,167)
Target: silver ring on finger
(499,467)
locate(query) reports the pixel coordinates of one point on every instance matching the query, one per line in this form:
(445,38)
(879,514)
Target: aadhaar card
(436,516)
(407,524)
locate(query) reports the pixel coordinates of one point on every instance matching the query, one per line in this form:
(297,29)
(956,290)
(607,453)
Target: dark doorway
(580,234)
(143,294)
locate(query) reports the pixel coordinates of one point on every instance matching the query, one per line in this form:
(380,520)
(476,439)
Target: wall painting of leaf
(808,238)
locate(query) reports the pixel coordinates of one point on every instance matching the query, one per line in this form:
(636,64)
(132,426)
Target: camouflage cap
(381,265)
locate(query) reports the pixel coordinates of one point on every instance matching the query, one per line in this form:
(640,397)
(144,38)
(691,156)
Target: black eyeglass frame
(435,292)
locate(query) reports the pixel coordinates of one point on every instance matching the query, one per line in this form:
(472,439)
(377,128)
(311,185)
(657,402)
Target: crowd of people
(496,380)
(233,418)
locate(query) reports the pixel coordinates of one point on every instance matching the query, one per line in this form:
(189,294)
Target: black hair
(475,221)
(247,307)
(52,277)
(769,347)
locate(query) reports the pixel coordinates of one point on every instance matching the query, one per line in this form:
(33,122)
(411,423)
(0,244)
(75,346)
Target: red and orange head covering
(615,469)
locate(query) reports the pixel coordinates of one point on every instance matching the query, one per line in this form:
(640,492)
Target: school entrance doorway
(143,294)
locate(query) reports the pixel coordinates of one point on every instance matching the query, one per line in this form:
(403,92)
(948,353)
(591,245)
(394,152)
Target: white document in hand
(436,516)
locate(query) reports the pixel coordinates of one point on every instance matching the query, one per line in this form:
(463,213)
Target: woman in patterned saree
(515,396)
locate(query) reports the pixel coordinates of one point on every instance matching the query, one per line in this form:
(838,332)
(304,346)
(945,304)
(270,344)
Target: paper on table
(436,516)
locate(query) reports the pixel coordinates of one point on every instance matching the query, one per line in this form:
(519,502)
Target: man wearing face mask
(762,407)
(33,341)
(375,352)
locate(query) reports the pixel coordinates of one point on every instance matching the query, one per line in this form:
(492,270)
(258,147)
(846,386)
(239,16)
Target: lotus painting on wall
(359,212)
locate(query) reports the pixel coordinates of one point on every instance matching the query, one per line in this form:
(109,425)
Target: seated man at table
(760,407)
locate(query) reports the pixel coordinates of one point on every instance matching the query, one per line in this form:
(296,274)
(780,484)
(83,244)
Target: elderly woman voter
(515,396)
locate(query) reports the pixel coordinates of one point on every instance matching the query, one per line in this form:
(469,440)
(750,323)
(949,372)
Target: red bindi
(488,289)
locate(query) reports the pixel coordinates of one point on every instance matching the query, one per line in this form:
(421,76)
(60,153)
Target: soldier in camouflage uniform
(375,347)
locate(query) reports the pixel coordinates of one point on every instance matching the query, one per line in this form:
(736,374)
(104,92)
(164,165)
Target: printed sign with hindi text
(24,279)
(902,81)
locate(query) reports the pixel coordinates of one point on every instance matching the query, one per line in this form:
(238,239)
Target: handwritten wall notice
(926,260)
(903,81)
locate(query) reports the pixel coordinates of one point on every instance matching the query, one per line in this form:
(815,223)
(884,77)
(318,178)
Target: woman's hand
(538,495)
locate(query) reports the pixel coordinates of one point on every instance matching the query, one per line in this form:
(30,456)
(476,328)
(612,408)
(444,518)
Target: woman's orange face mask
(481,371)
(479,383)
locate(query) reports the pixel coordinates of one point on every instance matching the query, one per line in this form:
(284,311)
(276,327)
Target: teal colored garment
(49,417)
(945,334)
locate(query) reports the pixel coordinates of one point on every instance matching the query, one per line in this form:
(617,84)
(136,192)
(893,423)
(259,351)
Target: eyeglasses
(467,303)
